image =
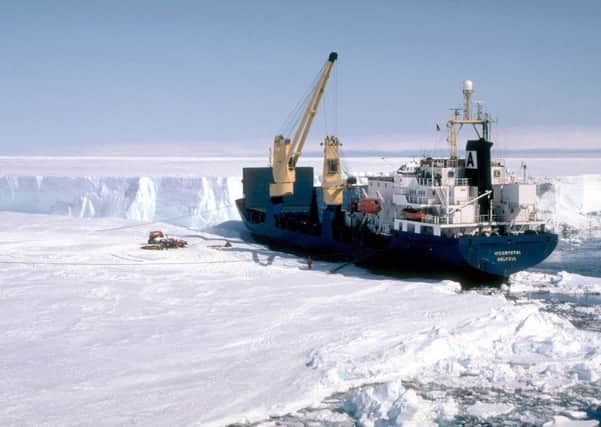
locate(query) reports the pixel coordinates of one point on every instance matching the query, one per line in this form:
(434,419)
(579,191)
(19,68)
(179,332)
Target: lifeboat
(369,206)
(415,214)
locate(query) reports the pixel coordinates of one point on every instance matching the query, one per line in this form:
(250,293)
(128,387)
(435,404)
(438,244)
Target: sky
(221,77)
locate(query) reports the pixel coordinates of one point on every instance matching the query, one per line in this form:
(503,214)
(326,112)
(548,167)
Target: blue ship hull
(300,223)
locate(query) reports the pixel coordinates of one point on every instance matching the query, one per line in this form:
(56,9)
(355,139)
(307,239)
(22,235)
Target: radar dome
(468,85)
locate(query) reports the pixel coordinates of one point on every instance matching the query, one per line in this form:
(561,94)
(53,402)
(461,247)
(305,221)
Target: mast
(455,120)
(286,152)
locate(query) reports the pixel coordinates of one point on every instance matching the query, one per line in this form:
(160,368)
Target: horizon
(538,153)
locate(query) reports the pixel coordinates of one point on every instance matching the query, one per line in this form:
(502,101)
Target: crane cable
(343,157)
(343,163)
(330,102)
(295,115)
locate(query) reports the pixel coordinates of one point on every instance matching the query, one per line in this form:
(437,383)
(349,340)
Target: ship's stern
(505,255)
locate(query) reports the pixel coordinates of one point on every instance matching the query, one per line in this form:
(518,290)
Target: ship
(462,215)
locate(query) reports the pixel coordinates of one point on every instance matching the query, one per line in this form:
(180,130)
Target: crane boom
(285,153)
(298,142)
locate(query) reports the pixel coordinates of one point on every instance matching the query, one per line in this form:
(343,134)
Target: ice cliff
(194,202)
(570,205)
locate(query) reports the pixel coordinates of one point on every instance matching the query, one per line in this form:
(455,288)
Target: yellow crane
(286,152)
(332,183)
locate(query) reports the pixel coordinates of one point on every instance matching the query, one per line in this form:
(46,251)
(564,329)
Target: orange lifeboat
(369,206)
(414,214)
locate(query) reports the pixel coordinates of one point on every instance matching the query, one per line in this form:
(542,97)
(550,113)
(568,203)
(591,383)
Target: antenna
(468,90)
(456,122)
(479,110)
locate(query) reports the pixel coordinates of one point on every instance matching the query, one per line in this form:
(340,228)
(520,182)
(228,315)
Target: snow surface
(96,331)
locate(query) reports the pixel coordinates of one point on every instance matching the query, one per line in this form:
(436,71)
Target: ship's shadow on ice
(232,231)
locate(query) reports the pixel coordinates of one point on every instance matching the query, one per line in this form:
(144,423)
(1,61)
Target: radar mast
(455,123)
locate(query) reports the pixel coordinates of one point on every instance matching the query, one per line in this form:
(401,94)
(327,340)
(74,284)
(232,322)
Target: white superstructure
(455,196)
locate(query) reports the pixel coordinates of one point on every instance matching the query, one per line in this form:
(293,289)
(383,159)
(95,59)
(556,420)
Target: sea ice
(96,331)
(562,282)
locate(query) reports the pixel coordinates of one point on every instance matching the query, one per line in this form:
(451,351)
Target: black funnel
(477,169)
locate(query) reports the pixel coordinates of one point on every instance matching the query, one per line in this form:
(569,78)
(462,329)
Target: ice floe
(562,282)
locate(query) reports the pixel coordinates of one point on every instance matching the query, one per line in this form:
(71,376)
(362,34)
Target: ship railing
(444,163)
(432,219)
(448,219)
(488,218)
(436,183)
(420,200)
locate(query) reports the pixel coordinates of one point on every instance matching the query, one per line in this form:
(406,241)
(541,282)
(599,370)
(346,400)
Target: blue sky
(177,77)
